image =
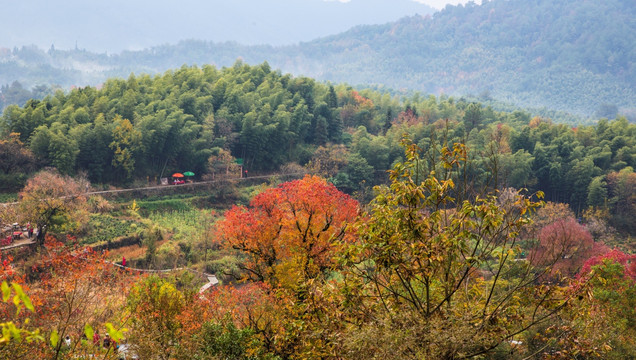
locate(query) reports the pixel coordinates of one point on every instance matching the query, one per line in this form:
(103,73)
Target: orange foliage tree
(289,233)
(70,288)
(548,214)
(289,236)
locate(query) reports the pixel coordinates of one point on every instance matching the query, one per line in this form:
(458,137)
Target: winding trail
(212,280)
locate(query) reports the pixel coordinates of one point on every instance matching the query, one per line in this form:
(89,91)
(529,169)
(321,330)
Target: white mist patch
(440,4)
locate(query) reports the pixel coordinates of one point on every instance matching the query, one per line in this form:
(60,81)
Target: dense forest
(144,128)
(226,210)
(573,56)
(416,227)
(432,267)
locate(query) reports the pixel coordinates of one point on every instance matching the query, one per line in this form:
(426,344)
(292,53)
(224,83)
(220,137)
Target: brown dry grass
(130,252)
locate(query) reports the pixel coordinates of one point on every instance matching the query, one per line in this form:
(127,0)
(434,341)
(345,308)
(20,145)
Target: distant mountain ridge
(118,25)
(567,55)
(575,56)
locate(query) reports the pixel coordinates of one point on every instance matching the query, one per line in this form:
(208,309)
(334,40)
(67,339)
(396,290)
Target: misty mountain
(119,25)
(576,56)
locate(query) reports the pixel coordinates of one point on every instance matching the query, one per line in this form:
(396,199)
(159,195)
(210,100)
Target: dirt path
(168,187)
(19,243)
(212,280)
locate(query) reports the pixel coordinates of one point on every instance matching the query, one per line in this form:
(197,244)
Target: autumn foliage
(289,233)
(70,287)
(427,271)
(15,156)
(565,245)
(289,236)
(602,324)
(50,200)
(627,261)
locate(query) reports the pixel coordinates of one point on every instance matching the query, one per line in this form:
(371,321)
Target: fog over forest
(118,25)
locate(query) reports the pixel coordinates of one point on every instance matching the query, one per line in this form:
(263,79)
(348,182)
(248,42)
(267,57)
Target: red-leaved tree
(603,323)
(615,256)
(564,246)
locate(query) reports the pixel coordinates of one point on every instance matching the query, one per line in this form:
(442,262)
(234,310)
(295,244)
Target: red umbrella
(178,175)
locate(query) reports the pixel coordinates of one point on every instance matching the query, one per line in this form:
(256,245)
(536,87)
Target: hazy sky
(118,25)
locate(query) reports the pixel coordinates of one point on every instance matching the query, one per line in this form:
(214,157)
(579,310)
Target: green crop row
(185,224)
(103,228)
(167,205)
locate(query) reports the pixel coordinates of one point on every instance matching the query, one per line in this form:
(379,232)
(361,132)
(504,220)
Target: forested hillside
(575,56)
(227,210)
(197,119)
(566,55)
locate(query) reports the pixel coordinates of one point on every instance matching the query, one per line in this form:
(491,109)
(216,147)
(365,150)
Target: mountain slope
(567,55)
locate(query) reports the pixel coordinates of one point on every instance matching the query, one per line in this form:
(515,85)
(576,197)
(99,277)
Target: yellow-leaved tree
(50,200)
(437,274)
